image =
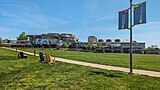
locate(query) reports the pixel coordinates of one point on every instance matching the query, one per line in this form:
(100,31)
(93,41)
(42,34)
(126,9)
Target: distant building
(92,39)
(5,41)
(108,40)
(53,38)
(117,40)
(100,40)
(116,46)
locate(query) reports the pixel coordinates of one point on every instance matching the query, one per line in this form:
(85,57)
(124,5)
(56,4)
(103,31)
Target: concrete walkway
(135,71)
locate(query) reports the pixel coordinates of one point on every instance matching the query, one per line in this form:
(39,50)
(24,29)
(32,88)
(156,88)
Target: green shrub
(98,47)
(89,46)
(4,45)
(0,41)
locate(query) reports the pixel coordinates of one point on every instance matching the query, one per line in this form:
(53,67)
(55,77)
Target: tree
(153,49)
(89,46)
(149,49)
(98,47)
(0,40)
(22,36)
(154,46)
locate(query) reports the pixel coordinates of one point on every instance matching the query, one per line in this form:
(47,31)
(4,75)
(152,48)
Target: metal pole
(131,36)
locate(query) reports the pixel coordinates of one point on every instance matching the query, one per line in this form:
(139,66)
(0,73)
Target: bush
(0,41)
(98,47)
(4,45)
(89,47)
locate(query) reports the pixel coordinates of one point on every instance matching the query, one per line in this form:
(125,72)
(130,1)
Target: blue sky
(80,17)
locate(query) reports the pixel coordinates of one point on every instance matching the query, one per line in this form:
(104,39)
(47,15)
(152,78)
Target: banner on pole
(123,19)
(140,13)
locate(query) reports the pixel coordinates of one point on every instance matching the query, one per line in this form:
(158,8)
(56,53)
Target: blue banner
(140,13)
(123,20)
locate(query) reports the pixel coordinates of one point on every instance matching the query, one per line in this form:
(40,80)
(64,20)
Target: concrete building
(53,38)
(100,40)
(117,46)
(5,41)
(92,39)
(108,40)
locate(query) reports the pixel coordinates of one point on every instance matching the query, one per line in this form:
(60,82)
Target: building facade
(53,38)
(115,47)
(92,39)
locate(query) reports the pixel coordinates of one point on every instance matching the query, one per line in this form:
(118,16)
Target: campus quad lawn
(30,74)
(140,61)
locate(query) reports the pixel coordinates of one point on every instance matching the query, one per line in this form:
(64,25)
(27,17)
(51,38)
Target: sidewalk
(135,71)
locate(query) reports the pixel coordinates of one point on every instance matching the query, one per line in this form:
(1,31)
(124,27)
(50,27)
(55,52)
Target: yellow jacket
(49,59)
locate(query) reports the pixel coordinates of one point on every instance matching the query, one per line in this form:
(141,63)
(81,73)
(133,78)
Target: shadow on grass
(9,58)
(104,74)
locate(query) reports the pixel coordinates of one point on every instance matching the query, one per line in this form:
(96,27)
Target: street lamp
(131,50)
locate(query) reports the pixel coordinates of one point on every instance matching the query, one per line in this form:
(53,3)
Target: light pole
(139,18)
(131,47)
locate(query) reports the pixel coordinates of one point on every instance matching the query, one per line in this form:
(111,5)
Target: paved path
(135,71)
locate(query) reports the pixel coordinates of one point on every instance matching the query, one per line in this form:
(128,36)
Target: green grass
(140,61)
(30,74)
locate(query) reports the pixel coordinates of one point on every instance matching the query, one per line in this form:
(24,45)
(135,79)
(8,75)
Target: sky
(80,17)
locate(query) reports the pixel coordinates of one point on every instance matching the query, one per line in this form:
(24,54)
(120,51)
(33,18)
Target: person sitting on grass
(49,59)
(42,57)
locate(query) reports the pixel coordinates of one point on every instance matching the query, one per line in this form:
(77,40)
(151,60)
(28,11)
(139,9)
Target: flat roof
(111,42)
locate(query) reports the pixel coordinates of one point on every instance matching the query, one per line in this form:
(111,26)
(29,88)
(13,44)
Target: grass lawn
(30,74)
(140,61)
